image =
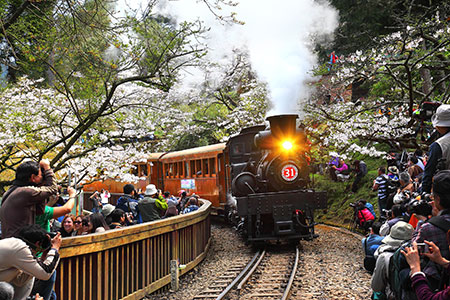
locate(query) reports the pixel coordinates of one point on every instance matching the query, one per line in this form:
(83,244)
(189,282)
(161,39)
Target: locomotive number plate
(289,172)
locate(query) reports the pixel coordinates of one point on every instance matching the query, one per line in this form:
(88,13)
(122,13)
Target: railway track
(268,275)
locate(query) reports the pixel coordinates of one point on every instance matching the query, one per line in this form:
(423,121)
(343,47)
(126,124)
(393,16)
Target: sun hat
(400,233)
(393,169)
(150,190)
(442,116)
(107,209)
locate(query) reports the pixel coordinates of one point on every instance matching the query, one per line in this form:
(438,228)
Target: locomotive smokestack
(283,125)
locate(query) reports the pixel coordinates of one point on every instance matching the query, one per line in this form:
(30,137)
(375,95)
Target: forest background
(94,86)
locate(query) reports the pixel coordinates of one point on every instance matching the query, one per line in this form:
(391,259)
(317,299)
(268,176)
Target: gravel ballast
(330,266)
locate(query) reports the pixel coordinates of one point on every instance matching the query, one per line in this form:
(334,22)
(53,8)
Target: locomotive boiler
(271,187)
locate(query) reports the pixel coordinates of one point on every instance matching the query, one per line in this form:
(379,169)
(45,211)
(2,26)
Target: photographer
(57,211)
(435,229)
(18,262)
(440,149)
(153,206)
(360,170)
(418,278)
(420,211)
(45,287)
(363,215)
(395,216)
(25,199)
(405,190)
(128,202)
(96,202)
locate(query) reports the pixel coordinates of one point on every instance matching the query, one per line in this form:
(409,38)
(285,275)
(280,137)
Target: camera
(422,248)
(43,173)
(426,197)
(420,207)
(386,214)
(52,234)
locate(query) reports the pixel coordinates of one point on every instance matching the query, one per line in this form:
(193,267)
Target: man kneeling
(18,264)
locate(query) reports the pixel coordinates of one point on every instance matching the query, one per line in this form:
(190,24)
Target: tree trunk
(426,76)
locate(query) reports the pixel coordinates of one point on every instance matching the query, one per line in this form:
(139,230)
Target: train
(259,180)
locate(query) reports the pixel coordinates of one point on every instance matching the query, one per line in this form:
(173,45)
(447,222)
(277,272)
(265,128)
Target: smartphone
(422,248)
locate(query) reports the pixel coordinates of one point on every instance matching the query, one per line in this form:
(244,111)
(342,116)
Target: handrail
(131,262)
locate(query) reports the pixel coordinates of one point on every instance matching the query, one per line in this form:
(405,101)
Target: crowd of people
(407,249)
(31,236)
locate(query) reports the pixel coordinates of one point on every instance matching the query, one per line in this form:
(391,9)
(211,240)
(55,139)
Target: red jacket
(365,215)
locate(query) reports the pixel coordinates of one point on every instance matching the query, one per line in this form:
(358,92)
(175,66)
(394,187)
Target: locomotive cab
(270,181)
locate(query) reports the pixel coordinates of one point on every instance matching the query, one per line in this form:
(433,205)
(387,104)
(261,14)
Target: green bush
(340,195)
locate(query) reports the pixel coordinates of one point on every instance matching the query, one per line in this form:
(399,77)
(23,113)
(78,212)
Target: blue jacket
(122,202)
(370,208)
(373,242)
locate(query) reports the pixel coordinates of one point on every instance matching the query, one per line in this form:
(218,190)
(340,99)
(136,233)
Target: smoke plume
(277,35)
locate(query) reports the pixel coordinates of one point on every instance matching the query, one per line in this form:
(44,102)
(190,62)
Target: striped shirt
(382,182)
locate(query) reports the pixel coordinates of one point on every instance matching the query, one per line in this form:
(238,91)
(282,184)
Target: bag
(399,281)
(399,270)
(369,260)
(369,263)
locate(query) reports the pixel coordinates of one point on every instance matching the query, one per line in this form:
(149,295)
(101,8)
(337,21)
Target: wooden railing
(131,262)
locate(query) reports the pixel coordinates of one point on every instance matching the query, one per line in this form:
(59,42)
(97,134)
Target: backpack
(369,260)
(399,280)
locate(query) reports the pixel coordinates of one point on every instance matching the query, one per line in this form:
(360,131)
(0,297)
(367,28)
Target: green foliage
(340,196)
(24,48)
(362,21)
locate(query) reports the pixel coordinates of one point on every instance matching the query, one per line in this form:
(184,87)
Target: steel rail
(238,278)
(250,273)
(287,291)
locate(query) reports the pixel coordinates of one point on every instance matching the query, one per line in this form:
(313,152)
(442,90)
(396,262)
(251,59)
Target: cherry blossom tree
(407,68)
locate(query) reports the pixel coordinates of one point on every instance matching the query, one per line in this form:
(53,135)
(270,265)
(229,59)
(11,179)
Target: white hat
(400,233)
(107,209)
(150,189)
(442,116)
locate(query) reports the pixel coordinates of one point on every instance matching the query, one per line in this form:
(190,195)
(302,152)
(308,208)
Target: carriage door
(221,179)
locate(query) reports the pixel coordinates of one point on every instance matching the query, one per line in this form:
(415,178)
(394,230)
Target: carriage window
(180,169)
(142,170)
(186,169)
(192,171)
(238,149)
(219,163)
(135,170)
(212,165)
(166,169)
(205,166)
(175,170)
(198,167)
(171,170)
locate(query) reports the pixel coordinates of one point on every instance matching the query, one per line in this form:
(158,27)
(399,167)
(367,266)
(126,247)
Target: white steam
(277,35)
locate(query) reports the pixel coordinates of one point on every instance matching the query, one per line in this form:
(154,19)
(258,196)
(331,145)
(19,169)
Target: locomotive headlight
(287,145)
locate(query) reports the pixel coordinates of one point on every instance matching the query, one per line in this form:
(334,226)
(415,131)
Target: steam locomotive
(259,180)
(271,195)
